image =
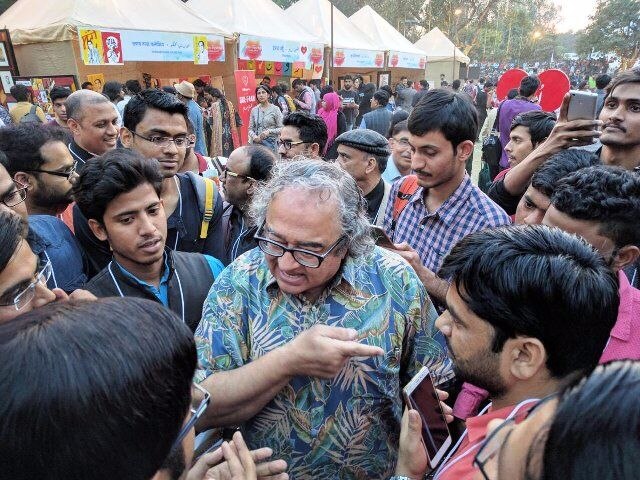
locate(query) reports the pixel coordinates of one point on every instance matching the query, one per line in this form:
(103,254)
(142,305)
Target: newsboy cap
(364,140)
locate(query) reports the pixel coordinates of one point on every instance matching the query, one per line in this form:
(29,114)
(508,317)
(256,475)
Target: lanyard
(446,466)
(115,282)
(175,179)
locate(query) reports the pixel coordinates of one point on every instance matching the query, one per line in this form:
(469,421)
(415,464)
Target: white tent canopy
(381,32)
(439,48)
(315,15)
(252,17)
(37,21)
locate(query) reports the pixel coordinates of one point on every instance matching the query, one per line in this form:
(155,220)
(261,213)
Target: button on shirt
(348,426)
(432,235)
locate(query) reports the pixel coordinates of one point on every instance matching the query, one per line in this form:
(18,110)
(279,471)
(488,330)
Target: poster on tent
(251,47)
(91,48)
(246,93)
(344,57)
(406,60)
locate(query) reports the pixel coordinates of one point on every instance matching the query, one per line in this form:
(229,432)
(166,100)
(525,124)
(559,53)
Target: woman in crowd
(277,98)
(224,121)
(266,120)
(334,119)
(588,431)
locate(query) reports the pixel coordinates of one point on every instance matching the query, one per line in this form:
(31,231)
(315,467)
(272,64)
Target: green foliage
(614,27)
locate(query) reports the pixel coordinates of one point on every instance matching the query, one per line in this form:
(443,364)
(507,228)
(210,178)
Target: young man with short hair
(119,194)
(58,97)
(379,118)
(305,99)
(302,134)
(131,88)
(349,97)
(186,93)
(25,106)
(93,122)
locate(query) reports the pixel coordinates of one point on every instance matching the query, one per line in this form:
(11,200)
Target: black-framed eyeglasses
(235,175)
(287,144)
(16,196)
(68,174)
(300,255)
(195,415)
(494,442)
(182,141)
(25,297)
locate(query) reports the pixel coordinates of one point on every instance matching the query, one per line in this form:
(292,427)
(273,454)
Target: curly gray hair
(331,182)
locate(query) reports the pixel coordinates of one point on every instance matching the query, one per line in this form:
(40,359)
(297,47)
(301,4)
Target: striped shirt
(432,235)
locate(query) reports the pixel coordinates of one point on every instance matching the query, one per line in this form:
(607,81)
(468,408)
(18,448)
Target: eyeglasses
(287,144)
(195,415)
(180,142)
(303,257)
(235,175)
(403,142)
(493,444)
(68,174)
(16,196)
(25,296)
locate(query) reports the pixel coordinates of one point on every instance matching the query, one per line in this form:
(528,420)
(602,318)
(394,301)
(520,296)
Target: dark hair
(59,93)
(424,84)
(112,90)
(20,93)
(266,77)
(109,407)
(594,430)
(266,88)
(382,97)
(198,83)
(602,81)
(296,82)
(324,90)
(116,172)
(261,161)
(417,97)
(511,94)
(397,128)
(369,88)
(523,279)
(538,123)
(11,234)
(347,77)
(21,144)
(451,113)
(133,86)
(455,84)
(606,195)
(488,84)
(528,85)
(138,105)
(387,88)
(311,128)
(213,91)
(85,85)
(627,76)
(558,166)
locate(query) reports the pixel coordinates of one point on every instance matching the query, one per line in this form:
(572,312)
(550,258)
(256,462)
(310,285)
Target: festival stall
(444,57)
(158,42)
(403,58)
(353,52)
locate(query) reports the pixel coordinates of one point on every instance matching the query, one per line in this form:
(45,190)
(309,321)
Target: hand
(446,409)
(412,454)
(435,286)
(322,351)
(80,294)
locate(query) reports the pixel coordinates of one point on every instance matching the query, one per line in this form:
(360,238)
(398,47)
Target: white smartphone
(420,394)
(582,105)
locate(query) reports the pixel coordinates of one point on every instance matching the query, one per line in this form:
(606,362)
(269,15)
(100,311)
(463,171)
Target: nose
(112,129)
(42,295)
(443,324)
(534,218)
(417,162)
(287,263)
(507,147)
(170,148)
(281,150)
(147,227)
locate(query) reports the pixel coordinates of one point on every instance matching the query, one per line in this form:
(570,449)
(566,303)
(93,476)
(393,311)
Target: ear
(464,150)
(25,179)
(98,229)
(371,164)
(314,149)
(527,356)
(73,125)
(126,137)
(626,256)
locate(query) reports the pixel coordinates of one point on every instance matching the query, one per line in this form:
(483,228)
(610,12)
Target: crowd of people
(153,288)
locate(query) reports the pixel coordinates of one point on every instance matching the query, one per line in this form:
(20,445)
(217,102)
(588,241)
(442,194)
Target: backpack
(31,117)
(408,187)
(206,192)
(292,106)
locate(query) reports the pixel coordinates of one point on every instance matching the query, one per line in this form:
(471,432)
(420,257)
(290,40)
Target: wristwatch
(400,477)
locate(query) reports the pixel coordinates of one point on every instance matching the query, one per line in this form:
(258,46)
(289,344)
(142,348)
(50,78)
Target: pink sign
(246,92)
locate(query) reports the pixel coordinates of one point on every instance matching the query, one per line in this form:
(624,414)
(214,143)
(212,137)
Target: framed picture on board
(7,57)
(383,78)
(7,81)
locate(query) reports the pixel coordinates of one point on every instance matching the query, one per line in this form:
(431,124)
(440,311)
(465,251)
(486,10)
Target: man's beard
(46,197)
(481,370)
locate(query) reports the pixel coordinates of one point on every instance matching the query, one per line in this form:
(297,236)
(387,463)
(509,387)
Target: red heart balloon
(509,80)
(554,85)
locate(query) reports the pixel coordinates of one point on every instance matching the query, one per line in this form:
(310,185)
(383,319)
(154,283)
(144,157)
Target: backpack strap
(208,206)
(408,187)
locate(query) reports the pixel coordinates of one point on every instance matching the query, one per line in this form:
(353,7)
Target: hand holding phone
(582,105)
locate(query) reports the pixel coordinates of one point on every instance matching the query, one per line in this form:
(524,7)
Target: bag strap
(496,125)
(208,206)
(408,187)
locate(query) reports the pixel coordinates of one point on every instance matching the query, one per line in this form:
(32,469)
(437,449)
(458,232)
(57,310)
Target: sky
(574,14)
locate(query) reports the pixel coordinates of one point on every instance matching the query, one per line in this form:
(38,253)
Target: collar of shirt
(344,279)
(477,426)
(628,309)
(162,291)
(446,211)
(79,153)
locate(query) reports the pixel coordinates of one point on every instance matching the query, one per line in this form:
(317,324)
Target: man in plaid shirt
(446,207)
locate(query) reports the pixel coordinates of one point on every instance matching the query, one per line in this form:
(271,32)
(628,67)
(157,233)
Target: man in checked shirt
(444,206)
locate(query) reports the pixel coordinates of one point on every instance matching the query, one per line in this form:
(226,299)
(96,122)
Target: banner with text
(251,47)
(246,92)
(100,47)
(358,58)
(406,60)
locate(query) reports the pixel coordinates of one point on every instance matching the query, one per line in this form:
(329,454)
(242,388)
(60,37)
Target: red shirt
(624,341)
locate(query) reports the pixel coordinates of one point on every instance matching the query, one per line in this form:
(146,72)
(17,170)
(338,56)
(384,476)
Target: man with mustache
(39,165)
(119,194)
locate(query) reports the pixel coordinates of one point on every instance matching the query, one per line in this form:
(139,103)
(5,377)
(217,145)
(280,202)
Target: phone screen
(434,425)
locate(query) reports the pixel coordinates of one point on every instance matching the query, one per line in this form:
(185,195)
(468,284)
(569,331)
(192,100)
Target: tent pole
(331,61)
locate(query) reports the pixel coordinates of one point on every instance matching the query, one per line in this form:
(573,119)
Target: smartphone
(380,237)
(420,394)
(582,105)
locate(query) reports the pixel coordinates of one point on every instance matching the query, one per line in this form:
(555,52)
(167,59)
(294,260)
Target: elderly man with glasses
(306,341)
